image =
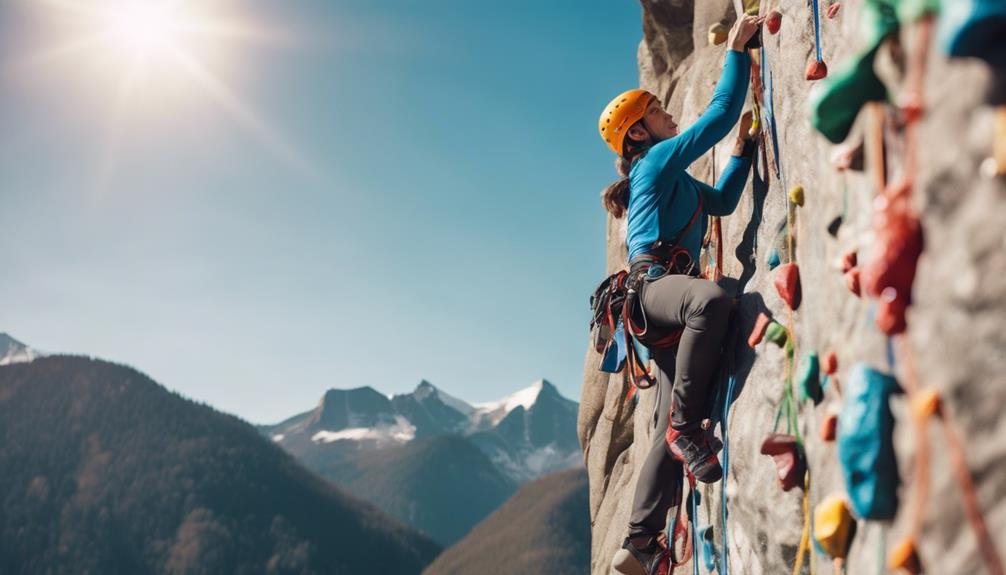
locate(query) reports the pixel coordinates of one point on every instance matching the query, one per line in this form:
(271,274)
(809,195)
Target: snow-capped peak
(495,411)
(13,351)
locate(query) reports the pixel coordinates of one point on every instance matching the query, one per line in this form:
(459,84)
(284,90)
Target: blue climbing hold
(773,259)
(866,443)
(974,29)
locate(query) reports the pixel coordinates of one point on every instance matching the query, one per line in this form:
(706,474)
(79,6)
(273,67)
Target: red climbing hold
(773,22)
(891,272)
(787,283)
(816,70)
(891,315)
(758,331)
(852,281)
(828,427)
(830,363)
(788,460)
(849,260)
(832,10)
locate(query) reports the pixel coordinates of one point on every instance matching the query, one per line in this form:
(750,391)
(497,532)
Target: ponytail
(615,197)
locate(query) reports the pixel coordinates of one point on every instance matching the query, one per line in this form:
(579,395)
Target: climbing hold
(974,29)
(830,364)
(788,458)
(796,195)
(833,226)
(828,427)
(832,10)
(899,244)
(773,259)
(835,106)
(773,22)
(866,444)
(849,260)
(809,379)
(758,331)
(926,404)
(816,70)
(787,283)
(776,333)
(904,558)
(852,281)
(834,526)
(891,312)
(717,34)
(709,555)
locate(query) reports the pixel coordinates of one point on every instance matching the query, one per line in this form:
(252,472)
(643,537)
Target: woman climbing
(667,211)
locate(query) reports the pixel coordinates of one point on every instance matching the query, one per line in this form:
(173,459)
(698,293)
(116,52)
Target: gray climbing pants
(685,379)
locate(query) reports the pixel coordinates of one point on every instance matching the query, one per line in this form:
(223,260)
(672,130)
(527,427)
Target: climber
(664,205)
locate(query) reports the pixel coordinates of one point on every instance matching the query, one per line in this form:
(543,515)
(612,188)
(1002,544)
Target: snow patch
(495,411)
(278,437)
(401,431)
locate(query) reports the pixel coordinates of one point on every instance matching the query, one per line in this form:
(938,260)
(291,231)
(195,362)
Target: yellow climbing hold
(833,525)
(926,404)
(904,558)
(796,195)
(717,34)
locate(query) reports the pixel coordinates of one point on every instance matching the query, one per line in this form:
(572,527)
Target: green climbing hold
(776,333)
(835,107)
(809,379)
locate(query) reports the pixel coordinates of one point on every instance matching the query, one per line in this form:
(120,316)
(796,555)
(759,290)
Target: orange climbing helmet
(625,110)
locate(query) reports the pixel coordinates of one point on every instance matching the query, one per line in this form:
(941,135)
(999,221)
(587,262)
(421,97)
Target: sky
(274,198)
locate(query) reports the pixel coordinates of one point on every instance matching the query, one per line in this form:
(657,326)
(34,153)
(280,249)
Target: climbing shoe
(694,449)
(654,559)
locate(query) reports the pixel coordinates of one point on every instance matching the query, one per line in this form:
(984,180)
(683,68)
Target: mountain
(543,528)
(105,471)
(13,351)
(526,434)
(529,433)
(442,485)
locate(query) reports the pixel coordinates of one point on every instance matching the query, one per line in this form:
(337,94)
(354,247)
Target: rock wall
(955,323)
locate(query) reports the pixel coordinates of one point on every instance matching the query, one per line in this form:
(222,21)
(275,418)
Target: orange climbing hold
(773,22)
(830,363)
(849,260)
(788,460)
(926,404)
(852,281)
(832,10)
(829,427)
(787,283)
(816,70)
(904,558)
(758,331)
(834,525)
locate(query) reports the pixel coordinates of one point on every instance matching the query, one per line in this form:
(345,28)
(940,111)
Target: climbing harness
(620,330)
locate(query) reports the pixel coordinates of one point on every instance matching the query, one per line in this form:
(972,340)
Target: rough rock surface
(955,323)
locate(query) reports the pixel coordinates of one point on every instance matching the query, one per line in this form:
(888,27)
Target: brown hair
(615,197)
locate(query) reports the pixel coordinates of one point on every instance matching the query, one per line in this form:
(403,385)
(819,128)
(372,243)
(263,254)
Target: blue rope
(724,425)
(695,518)
(817,30)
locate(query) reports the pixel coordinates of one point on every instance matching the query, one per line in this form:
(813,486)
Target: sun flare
(145,57)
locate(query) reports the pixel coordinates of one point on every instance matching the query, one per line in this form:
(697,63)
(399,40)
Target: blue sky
(376,193)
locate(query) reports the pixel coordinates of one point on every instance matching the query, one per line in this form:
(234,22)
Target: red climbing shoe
(694,450)
(654,559)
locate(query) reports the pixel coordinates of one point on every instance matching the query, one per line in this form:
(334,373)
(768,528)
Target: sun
(155,56)
(145,29)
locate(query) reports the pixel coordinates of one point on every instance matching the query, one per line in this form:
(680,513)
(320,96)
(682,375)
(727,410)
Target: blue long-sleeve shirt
(663,197)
